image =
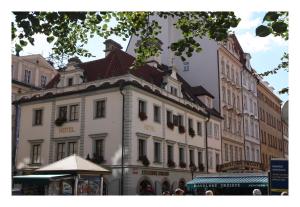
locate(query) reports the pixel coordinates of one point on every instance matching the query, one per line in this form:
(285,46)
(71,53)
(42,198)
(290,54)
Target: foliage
(60,121)
(171,164)
(182,164)
(276,23)
(142,116)
(191,132)
(170,125)
(181,129)
(70,31)
(144,160)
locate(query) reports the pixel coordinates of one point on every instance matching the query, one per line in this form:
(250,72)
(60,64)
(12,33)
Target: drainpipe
(206,150)
(16,135)
(122,159)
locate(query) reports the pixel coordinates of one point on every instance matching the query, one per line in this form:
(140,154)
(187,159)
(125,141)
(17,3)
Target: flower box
(181,129)
(182,164)
(60,121)
(144,160)
(143,116)
(171,164)
(170,125)
(191,132)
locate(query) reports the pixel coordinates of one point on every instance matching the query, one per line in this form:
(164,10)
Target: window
(157,152)
(181,154)
(192,158)
(225,122)
(74,112)
(209,129)
(156,112)
(231,153)
(224,94)
(237,78)
(226,152)
(173,91)
(180,120)
(170,152)
(253,155)
(36,154)
(227,71)
(245,102)
(72,148)
(228,96)
(247,153)
(38,117)
(100,107)
(241,154)
(234,126)
(236,153)
(199,128)
(210,160)
(217,158)
(190,123)
(251,105)
(222,66)
(200,158)
(43,81)
(70,81)
(186,66)
(255,109)
(232,73)
(60,151)
(216,131)
(99,148)
(257,156)
(246,127)
(27,76)
(169,117)
(233,99)
(142,148)
(142,106)
(62,112)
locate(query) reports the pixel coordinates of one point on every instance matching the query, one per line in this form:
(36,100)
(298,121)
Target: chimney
(111,45)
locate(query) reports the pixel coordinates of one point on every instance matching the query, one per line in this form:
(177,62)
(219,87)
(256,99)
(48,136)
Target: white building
(100,109)
(250,112)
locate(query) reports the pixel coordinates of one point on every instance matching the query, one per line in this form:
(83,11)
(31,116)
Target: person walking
(256,192)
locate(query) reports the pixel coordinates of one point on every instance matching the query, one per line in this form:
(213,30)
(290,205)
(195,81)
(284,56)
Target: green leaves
(271,16)
(263,31)
(50,39)
(279,27)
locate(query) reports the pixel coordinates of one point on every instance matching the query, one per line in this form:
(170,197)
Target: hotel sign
(240,165)
(155,173)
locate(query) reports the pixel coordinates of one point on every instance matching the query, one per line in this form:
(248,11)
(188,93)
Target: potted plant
(182,164)
(170,125)
(191,132)
(171,164)
(60,121)
(142,116)
(201,167)
(98,159)
(144,160)
(181,129)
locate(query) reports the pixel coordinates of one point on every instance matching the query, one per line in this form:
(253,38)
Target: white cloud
(247,20)
(251,43)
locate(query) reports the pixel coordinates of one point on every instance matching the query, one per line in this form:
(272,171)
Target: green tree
(276,23)
(70,31)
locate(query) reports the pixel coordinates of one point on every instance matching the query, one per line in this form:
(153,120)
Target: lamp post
(193,169)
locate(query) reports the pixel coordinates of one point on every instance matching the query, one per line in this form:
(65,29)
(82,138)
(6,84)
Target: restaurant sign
(239,165)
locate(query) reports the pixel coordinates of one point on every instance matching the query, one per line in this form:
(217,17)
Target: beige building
(28,73)
(230,58)
(250,112)
(150,118)
(285,128)
(270,124)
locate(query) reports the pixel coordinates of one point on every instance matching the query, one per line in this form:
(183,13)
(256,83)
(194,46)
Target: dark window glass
(156,114)
(142,150)
(142,106)
(70,81)
(72,148)
(100,109)
(169,117)
(36,154)
(157,152)
(73,112)
(60,151)
(170,152)
(62,112)
(38,115)
(99,147)
(181,154)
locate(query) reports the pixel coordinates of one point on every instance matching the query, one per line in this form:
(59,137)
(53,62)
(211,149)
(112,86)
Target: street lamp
(193,169)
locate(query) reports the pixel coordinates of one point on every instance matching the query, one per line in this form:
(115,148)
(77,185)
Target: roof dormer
(203,95)
(72,74)
(172,84)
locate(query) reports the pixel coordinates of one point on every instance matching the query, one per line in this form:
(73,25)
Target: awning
(228,182)
(38,178)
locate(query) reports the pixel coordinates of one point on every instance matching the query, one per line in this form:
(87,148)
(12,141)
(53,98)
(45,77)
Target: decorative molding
(98,136)
(170,142)
(159,139)
(142,135)
(36,141)
(64,139)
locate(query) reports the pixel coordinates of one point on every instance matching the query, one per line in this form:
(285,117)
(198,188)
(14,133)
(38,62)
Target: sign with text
(66,130)
(279,176)
(155,173)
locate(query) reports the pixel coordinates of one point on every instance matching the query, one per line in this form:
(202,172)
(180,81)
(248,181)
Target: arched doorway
(181,184)
(165,186)
(146,188)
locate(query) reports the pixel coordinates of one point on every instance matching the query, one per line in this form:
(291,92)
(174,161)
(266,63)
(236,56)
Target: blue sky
(266,52)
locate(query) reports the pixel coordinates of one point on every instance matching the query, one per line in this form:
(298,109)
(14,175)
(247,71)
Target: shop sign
(240,165)
(220,185)
(278,176)
(66,130)
(155,173)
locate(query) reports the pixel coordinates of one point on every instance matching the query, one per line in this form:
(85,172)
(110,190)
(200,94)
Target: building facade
(149,118)
(28,73)
(250,112)
(285,128)
(270,124)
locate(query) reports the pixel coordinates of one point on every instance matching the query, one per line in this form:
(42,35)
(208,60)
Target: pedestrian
(166,193)
(284,193)
(209,192)
(256,192)
(179,191)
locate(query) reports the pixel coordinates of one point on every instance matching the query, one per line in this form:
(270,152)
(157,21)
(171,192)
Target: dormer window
(186,66)
(70,81)
(173,91)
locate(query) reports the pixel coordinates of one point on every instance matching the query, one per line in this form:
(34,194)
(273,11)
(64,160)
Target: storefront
(70,176)
(229,184)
